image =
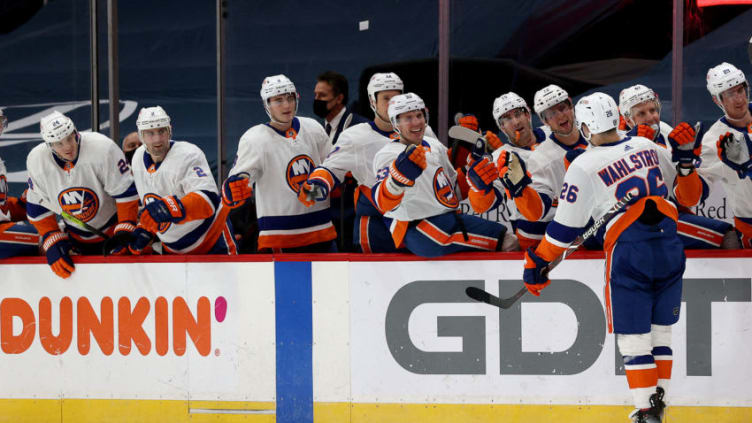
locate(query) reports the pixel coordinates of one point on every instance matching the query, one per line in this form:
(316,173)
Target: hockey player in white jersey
(418,192)
(17,237)
(277,157)
(727,148)
(354,153)
(83,174)
(537,200)
(512,115)
(182,206)
(644,256)
(641,108)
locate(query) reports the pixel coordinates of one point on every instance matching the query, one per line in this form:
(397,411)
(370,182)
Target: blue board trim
(294,331)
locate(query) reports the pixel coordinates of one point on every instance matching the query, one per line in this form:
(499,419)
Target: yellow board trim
(486,413)
(176,411)
(122,411)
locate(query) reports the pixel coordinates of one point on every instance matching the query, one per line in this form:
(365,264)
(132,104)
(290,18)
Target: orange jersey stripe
(442,238)
(633,213)
(196,207)
(664,368)
(399,229)
(46,225)
(127,211)
(297,240)
(607,290)
(364,243)
(526,242)
(699,232)
(548,251)
(385,200)
(17,237)
(642,378)
(530,205)
(688,189)
(481,202)
(324,176)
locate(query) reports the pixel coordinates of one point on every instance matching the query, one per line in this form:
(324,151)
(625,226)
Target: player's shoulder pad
(188,149)
(310,124)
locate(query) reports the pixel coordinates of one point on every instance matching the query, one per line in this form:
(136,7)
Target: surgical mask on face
(129,156)
(320,109)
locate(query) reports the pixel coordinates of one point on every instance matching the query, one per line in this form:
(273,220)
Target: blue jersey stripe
(294,332)
(270,223)
(35,210)
(130,192)
(562,233)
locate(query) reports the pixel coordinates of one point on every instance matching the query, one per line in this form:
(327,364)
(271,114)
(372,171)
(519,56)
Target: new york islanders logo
(297,171)
(80,202)
(443,189)
(148,198)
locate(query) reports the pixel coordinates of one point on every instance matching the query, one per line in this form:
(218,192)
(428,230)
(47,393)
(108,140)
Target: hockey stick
(108,240)
(749,50)
(504,303)
(466,134)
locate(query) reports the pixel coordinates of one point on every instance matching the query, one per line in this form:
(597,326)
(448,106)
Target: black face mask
(129,156)
(320,109)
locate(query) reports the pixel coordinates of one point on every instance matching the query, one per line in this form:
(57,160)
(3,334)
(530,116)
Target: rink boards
(350,338)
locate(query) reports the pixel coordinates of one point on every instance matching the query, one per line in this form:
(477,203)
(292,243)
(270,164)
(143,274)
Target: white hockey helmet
(548,97)
(404,103)
(383,82)
(598,112)
(634,95)
(722,77)
(55,127)
(276,85)
(505,103)
(152,118)
(3,122)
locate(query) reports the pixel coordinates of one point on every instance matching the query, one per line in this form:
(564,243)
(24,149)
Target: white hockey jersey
(546,165)
(184,170)
(277,163)
(532,231)
(87,188)
(739,190)
(603,175)
(435,191)
(355,151)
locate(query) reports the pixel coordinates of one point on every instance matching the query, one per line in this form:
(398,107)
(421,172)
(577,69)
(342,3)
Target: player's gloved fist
(481,175)
(311,191)
(140,240)
(533,275)
(686,143)
(644,131)
(235,190)
(408,166)
(734,152)
(468,121)
(571,155)
(118,244)
(493,142)
(166,210)
(513,173)
(57,248)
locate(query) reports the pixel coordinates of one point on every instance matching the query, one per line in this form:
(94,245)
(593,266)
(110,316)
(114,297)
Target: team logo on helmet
(297,171)
(148,198)
(444,190)
(80,202)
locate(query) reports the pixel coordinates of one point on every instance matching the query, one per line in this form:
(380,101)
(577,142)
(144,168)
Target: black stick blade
(482,296)
(478,294)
